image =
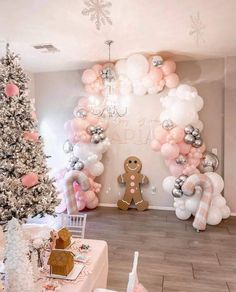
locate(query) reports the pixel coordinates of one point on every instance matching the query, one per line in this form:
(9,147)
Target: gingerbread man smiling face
(133,179)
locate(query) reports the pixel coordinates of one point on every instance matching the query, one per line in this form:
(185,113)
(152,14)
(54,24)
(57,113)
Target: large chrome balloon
(67,147)
(209,162)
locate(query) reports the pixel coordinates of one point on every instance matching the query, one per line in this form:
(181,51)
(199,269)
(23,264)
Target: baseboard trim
(150,207)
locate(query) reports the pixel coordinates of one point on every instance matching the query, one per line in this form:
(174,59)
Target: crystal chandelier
(110,106)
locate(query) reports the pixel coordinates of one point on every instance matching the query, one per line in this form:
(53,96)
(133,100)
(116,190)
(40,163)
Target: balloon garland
(136,74)
(180,143)
(85,146)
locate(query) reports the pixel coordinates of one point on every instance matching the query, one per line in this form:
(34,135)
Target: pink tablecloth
(97,270)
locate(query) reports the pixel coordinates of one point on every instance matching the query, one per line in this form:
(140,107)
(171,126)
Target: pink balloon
(83,102)
(168,162)
(155,74)
(177,134)
(89,76)
(76,187)
(168,67)
(172,80)
(184,148)
(78,124)
(92,119)
(93,204)
(89,195)
(11,90)
(29,180)
(81,205)
(103,123)
(97,69)
(169,151)
(31,136)
(156,145)
(160,134)
(176,169)
(84,137)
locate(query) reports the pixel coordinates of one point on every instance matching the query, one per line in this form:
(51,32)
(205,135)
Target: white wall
(58,92)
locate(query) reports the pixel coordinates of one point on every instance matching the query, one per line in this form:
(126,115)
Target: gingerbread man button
(133,179)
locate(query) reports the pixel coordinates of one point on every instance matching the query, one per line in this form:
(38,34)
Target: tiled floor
(173,257)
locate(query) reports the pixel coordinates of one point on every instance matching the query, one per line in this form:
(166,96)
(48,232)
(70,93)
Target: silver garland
(17,155)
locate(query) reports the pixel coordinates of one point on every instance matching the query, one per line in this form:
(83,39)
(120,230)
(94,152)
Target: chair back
(133,276)
(75,224)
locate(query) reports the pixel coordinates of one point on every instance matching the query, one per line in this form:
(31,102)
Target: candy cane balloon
(188,188)
(71,177)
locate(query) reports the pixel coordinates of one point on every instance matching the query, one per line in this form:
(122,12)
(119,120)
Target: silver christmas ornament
(167,124)
(177,185)
(102,136)
(189,139)
(79,165)
(188,129)
(95,139)
(181,159)
(208,163)
(195,132)
(81,113)
(157,61)
(197,143)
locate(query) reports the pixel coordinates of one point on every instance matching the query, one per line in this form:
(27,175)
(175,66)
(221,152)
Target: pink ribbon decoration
(71,177)
(188,188)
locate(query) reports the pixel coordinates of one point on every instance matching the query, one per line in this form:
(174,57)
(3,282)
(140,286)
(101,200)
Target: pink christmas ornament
(172,80)
(29,180)
(11,90)
(168,67)
(169,151)
(89,76)
(31,136)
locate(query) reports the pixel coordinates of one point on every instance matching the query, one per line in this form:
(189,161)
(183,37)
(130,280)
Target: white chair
(75,224)
(133,278)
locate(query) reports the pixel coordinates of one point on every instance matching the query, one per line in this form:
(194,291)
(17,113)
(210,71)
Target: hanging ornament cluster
(75,163)
(193,136)
(97,134)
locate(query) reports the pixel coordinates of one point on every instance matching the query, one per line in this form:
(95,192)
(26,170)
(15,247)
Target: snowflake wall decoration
(98,10)
(197,28)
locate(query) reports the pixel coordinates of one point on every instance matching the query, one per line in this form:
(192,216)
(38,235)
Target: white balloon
(199,103)
(153,90)
(217,182)
(214,216)
(137,66)
(199,125)
(96,169)
(182,214)
(225,211)
(183,113)
(140,90)
(165,115)
(125,89)
(172,92)
(168,101)
(192,204)
(168,184)
(120,67)
(218,201)
(183,90)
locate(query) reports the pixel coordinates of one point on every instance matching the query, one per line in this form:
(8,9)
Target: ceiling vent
(46,48)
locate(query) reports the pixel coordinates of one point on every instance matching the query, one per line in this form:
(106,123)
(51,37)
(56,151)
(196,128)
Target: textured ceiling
(184,29)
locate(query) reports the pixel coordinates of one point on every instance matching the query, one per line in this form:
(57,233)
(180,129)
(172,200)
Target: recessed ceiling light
(46,48)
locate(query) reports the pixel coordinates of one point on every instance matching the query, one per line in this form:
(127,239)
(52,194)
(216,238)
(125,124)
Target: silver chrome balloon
(189,129)
(197,143)
(91,130)
(189,139)
(67,147)
(157,61)
(181,159)
(177,193)
(81,113)
(79,165)
(209,162)
(95,138)
(167,124)
(195,132)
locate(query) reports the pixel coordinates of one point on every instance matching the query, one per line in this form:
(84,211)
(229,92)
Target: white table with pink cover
(94,274)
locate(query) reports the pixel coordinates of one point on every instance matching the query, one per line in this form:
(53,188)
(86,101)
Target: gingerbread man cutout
(133,179)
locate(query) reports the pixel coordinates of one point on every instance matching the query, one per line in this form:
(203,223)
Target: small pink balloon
(160,134)
(168,67)
(78,124)
(155,74)
(168,162)
(172,80)
(156,145)
(169,151)
(83,102)
(84,137)
(177,134)
(93,204)
(29,180)
(89,195)
(81,205)
(76,187)
(11,90)
(97,69)
(184,148)
(89,76)
(92,119)
(176,169)
(103,123)
(31,136)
